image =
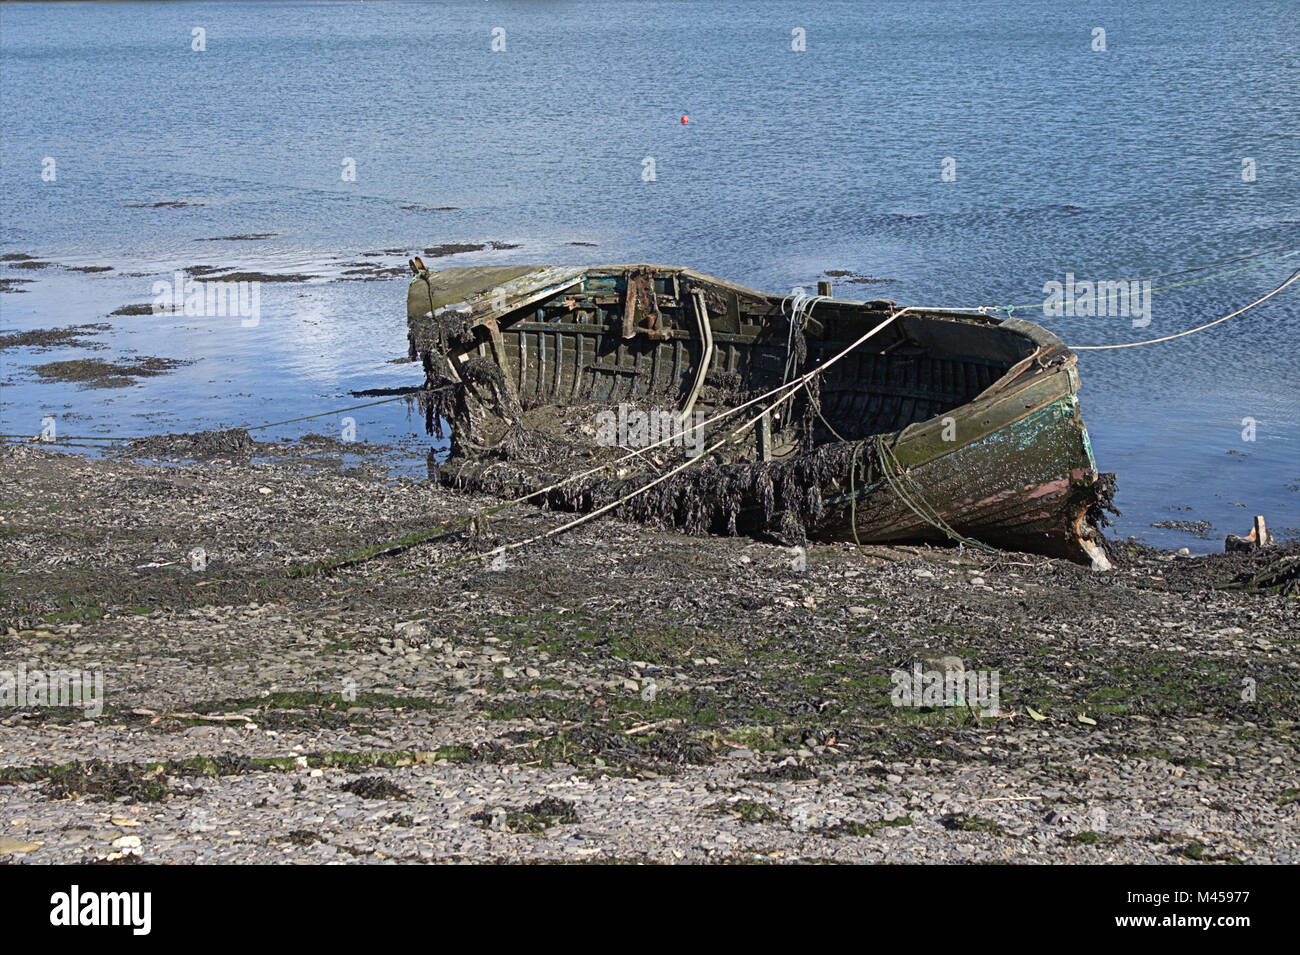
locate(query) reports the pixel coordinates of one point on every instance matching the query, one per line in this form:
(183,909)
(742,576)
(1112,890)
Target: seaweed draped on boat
(940,427)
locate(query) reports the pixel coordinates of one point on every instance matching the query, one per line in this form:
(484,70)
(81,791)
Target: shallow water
(1107,165)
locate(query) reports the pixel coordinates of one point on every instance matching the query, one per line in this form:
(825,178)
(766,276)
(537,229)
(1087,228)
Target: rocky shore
(621,693)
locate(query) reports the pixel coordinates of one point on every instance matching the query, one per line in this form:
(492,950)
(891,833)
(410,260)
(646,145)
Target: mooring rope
(1192,331)
(1009,309)
(37,439)
(1215,265)
(888,463)
(801,306)
(326,414)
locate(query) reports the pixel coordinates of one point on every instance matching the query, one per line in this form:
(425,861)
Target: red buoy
(685,120)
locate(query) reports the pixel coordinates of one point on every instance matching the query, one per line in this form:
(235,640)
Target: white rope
(1192,331)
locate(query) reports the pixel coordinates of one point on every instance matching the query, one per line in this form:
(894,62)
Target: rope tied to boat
(1008,309)
(987,309)
(1294,251)
(801,306)
(407,396)
(796,344)
(915,500)
(1192,331)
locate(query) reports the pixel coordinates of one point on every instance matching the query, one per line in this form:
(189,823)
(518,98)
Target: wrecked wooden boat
(942,427)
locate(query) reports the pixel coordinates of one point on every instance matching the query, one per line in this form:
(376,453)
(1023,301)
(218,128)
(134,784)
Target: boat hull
(950,428)
(1027,486)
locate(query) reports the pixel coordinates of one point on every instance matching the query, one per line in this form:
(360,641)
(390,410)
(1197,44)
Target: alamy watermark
(633,428)
(184,295)
(102,908)
(78,689)
(1127,298)
(951,686)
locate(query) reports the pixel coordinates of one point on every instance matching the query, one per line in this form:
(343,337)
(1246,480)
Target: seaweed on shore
(780,497)
(200,445)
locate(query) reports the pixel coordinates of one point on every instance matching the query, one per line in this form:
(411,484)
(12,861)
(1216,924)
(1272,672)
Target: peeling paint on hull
(1035,481)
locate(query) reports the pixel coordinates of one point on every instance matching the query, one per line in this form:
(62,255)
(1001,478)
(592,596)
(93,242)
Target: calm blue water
(1105,164)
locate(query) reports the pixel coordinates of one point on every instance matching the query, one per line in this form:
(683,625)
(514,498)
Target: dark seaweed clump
(479,403)
(105,782)
(534,817)
(72,336)
(199,445)
(448,327)
(102,374)
(375,787)
(782,498)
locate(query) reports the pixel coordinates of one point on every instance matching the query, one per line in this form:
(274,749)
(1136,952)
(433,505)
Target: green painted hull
(1026,486)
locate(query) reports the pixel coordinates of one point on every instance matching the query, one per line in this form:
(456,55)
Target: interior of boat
(652,338)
